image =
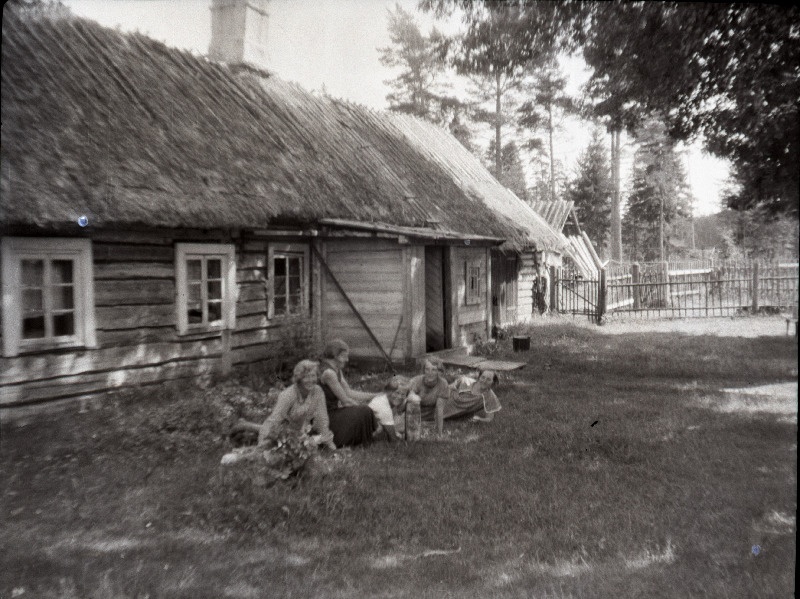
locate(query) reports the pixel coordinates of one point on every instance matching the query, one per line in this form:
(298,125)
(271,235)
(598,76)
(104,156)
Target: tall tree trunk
(552,163)
(661,228)
(616,216)
(498,148)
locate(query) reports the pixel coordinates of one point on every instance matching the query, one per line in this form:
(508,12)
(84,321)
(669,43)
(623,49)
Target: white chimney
(239,32)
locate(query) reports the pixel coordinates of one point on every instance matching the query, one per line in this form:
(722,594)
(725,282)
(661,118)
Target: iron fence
(680,290)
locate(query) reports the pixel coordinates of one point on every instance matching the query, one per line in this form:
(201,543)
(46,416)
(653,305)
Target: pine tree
(416,90)
(512,175)
(547,105)
(591,191)
(483,54)
(421,88)
(660,193)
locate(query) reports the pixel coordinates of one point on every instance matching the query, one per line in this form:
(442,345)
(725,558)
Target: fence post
(635,284)
(755,287)
(601,296)
(554,284)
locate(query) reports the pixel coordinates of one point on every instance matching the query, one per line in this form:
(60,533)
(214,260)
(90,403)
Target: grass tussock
(605,474)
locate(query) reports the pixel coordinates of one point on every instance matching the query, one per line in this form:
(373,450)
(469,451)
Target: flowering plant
(289,450)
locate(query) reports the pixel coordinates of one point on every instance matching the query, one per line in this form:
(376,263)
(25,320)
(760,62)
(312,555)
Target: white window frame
(278,250)
(226,253)
(14,250)
(473,297)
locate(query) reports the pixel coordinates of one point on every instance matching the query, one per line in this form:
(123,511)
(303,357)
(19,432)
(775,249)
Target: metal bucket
(521,343)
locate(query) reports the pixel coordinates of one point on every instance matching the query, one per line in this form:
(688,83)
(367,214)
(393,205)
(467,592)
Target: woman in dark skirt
(350,419)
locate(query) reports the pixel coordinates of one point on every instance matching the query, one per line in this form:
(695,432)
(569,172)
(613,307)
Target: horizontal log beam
(150,292)
(99,382)
(20,369)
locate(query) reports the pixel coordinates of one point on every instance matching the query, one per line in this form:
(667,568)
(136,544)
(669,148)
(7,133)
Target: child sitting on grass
(388,405)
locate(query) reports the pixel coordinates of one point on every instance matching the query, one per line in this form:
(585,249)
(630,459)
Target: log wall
(259,337)
(137,341)
(138,345)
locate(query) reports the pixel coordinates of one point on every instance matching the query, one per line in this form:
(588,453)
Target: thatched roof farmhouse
(167,218)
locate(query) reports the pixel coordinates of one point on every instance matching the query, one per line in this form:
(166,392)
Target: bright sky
(334,43)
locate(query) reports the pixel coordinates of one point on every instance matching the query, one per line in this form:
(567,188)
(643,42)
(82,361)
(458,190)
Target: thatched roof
(126,131)
(555,212)
(444,149)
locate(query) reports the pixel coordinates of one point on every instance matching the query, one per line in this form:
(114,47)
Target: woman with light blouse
(300,405)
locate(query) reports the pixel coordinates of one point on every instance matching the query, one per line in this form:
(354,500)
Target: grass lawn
(618,467)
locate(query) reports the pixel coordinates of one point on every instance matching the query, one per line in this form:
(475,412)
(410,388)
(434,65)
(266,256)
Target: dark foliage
(591,191)
(723,71)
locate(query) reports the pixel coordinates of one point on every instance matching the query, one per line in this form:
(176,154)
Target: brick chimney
(239,32)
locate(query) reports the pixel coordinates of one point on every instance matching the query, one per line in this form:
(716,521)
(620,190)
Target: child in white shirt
(388,405)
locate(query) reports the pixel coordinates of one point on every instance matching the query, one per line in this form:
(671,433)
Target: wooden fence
(678,290)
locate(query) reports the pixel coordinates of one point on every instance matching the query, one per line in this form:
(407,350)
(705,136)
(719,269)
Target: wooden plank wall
(415,259)
(372,273)
(138,344)
(527,273)
(505,271)
(469,321)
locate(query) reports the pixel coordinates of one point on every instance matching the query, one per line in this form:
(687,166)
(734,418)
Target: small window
(289,280)
(48,294)
(206,282)
(472,277)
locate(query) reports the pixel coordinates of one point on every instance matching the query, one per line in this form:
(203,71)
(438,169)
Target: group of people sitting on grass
(321,400)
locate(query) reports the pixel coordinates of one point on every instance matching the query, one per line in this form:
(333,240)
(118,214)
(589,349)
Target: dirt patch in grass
(778,399)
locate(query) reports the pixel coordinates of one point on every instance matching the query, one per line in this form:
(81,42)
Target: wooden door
(504,289)
(435,313)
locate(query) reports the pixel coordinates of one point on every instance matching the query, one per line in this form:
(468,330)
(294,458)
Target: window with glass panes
(48,293)
(288,283)
(473,283)
(205,277)
(203,290)
(48,297)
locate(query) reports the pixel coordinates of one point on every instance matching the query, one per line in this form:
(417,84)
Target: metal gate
(576,295)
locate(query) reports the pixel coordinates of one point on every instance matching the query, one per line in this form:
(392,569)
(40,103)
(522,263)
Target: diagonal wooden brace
(353,308)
